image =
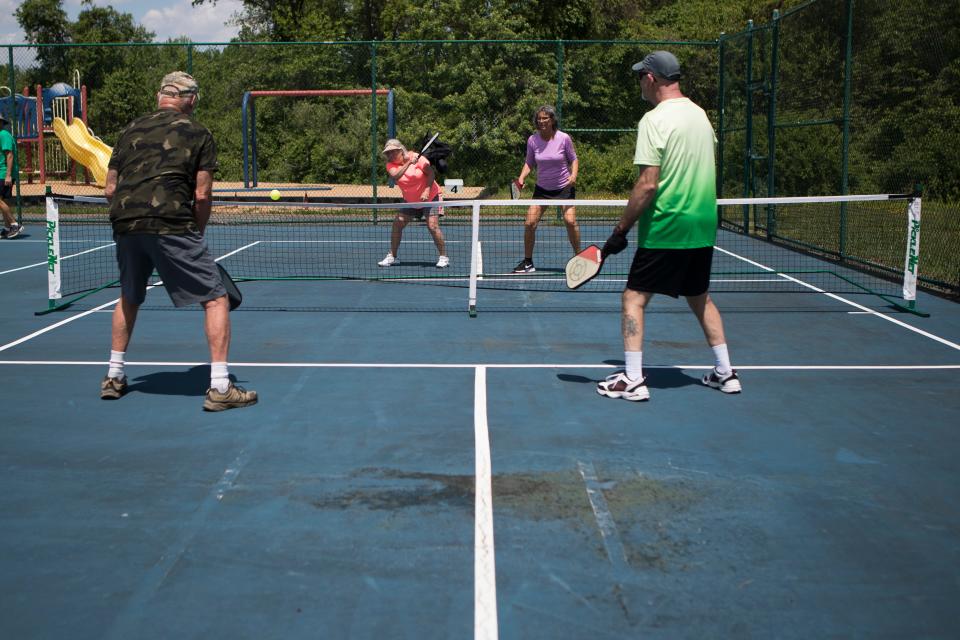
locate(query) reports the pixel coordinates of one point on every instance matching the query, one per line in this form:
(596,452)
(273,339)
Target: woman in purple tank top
(551,152)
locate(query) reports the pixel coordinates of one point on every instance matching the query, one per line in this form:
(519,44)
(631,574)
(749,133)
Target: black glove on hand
(616,243)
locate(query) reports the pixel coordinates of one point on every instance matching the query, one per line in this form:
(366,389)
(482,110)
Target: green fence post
(772,123)
(559,84)
(190,58)
(748,134)
(559,100)
(12,119)
(721,109)
(373,124)
(845,151)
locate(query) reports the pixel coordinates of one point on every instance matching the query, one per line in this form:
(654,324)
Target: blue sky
(166,18)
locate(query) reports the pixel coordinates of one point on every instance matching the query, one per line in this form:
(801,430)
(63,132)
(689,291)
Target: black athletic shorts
(188,271)
(417,214)
(673,272)
(567,193)
(6,190)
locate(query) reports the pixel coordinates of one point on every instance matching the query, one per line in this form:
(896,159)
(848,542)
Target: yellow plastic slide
(89,151)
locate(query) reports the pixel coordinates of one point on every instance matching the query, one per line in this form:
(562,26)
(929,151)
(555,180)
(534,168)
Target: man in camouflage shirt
(159,185)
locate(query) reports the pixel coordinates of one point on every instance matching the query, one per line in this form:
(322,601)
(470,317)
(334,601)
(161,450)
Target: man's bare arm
(644,191)
(111,186)
(203,198)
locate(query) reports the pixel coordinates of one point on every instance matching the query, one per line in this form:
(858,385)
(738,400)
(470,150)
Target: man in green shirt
(8,173)
(674,204)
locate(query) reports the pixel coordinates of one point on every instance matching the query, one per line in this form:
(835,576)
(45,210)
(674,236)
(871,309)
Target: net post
(912,259)
(474,258)
(53,251)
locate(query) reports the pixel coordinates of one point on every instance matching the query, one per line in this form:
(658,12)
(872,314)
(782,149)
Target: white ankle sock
(116,364)
(721,359)
(634,360)
(219,376)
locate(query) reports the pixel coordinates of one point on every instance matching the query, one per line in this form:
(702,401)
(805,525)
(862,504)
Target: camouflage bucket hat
(178,84)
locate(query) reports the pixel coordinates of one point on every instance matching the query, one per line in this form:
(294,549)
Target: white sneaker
(389,261)
(619,385)
(14,231)
(443,262)
(729,383)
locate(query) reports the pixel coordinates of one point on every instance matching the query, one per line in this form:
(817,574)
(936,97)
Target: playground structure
(249,119)
(85,148)
(73,146)
(60,110)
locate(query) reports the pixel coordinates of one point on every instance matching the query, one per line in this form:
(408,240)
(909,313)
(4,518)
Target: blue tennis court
(411,472)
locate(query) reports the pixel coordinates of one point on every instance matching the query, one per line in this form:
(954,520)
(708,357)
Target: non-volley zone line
(489,365)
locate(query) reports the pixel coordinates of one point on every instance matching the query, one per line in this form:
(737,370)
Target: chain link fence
(803,105)
(844,97)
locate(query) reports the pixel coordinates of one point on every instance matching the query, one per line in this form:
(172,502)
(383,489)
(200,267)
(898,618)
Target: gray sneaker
(113,388)
(233,398)
(14,231)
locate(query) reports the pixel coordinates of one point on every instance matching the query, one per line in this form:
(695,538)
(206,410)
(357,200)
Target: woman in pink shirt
(415,178)
(551,152)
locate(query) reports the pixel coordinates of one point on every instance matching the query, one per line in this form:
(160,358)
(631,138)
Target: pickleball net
(865,244)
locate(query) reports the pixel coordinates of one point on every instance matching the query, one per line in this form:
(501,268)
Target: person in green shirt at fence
(674,202)
(8,172)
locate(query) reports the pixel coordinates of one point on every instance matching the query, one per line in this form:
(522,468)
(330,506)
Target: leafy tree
(45,22)
(104,24)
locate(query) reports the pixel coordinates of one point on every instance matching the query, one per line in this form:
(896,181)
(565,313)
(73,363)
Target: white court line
(33,335)
(376,241)
(601,512)
(125,624)
(428,365)
(485,625)
(952,345)
(43,264)
(29,266)
(866,310)
(246,246)
(51,327)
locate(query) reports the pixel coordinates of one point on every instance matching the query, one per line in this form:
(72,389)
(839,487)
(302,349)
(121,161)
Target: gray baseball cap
(662,64)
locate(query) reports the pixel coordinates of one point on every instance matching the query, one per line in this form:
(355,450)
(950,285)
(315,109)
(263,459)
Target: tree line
(480,69)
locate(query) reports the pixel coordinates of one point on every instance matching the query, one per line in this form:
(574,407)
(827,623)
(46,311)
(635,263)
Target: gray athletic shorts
(188,271)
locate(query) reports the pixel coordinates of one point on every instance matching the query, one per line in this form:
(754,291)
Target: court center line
(485,625)
(492,365)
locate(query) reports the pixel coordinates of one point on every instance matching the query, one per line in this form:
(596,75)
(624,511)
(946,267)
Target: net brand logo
(913,255)
(51,255)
